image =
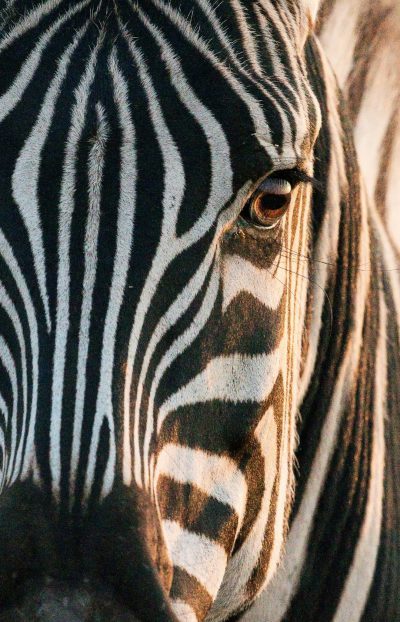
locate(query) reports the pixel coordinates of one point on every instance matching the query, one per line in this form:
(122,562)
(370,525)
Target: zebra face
(153,235)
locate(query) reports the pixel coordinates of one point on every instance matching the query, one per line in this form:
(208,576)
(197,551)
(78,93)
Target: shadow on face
(106,566)
(51,600)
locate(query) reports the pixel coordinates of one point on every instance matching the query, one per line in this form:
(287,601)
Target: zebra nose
(104,567)
(58,601)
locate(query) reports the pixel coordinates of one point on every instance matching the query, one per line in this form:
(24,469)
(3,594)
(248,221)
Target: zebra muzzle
(102,568)
(57,601)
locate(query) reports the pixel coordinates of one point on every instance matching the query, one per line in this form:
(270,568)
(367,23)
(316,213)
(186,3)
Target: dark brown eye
(269,203)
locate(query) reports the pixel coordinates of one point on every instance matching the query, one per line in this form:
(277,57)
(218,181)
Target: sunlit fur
(342,552)
(163,363)
(368,70)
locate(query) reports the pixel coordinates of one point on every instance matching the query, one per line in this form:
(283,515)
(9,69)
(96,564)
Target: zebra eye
(269,203)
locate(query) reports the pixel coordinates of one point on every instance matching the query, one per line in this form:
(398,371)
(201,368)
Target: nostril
(58,602)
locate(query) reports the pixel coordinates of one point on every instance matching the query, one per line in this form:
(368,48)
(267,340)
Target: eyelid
(292,177)
(295,176)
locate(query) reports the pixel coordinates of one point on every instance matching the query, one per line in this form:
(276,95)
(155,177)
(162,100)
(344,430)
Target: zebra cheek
(260,247)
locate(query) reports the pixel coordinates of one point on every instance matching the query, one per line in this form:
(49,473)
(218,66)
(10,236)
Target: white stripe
(390,258)
(178,346)
(175,311)
(249,45)
(174,187)
(8,256)
(66,208)
(379,102)
(125,225)
(322,258)
(232,595)
(25,178)
(235,378)
(170,246)
(393,191)
(262,130)
(10,99)
(298,74)
(278,595)
(297,84)
(96,166)
(216,476)
(313,7)
(264,81)
(183,611)
(240,275)
(248,37)
(341,26)
(9,365)
(197,555)
(358,582)
(3,408)
(32,19)
(221,171)
(9,307)
(265,29)
(296,283)
(222,35)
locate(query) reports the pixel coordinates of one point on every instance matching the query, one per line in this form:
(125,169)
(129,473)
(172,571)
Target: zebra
(199,303)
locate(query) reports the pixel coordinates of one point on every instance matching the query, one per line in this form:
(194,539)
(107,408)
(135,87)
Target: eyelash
(295,176)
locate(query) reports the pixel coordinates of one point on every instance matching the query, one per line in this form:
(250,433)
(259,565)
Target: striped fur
(155,349)
(368,71)
(345,518)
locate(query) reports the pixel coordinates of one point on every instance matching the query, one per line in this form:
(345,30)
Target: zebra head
(155,229)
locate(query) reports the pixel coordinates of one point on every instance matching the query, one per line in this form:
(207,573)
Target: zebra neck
(366,65)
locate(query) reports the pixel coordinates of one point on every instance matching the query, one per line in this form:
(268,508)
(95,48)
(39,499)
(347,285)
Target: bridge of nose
(110,562)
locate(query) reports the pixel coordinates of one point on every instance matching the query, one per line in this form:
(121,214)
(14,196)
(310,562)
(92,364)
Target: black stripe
(197,512)
(186,586)
(383,602)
